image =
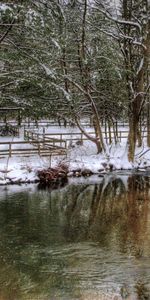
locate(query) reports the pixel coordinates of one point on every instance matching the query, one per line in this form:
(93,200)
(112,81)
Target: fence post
(61,139)
(116,130)
(24,132)
(43,133)
(106,132)
(39,149)
(120,135)
(109,132)
(18,131)
(65,144)
(81,138)
(9,149)
(32,135)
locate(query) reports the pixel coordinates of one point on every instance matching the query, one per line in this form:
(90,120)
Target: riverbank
(81,160)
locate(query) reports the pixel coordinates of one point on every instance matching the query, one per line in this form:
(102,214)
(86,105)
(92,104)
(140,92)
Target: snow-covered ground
(24,169)
(116,158)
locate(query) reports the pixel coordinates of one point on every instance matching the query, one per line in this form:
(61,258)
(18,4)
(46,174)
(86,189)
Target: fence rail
(45,139)
(63,139)
(51,144)
(38,147)
(55,123)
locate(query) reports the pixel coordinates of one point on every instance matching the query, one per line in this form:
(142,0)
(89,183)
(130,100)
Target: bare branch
(7,31)
(118,21)
(85,132)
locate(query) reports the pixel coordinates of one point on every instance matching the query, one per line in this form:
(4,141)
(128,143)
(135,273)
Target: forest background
(66,59)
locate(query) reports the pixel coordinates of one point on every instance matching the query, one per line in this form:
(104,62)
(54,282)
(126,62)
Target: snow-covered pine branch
(49,72)
(59,88)
(117,20)
(140,66)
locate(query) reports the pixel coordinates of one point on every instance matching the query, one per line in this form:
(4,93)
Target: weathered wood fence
(24,148)
(46,139)
(65,138)
(55,143)
(61,123)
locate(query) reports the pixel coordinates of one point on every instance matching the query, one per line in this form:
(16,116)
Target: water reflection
(85,241)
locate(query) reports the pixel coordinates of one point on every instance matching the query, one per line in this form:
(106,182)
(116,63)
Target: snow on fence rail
(75,136)
(61,139)
(50,144)
(57,123)
(24,148)
(65,138)
(45,139)
(33,124)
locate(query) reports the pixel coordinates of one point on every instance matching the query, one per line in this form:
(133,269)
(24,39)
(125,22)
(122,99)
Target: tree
(68,68)
(131,29)
(82,70)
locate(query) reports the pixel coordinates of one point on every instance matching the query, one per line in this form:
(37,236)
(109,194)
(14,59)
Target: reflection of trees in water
(106,208)
(117,216)
(107,213)
(31,224)
(77,212)
(137,210)
(109,207)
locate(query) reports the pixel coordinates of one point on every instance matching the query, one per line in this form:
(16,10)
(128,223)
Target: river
(88,240)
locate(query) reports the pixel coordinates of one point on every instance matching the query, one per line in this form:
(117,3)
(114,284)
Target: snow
(17,169)
(86,157)
(4,7)
(59,88)
(117,20)
(23,169)
(48,71)
(56,44)
(140,66)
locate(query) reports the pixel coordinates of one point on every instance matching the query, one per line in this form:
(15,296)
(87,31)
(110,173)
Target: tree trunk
(98,135)
(134,133)
(148,111)
(139,135)
(96,140)
(148,124)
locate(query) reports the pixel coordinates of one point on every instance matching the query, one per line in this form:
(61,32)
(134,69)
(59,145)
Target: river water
(89,240)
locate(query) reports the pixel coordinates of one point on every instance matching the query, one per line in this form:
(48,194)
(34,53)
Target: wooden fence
(63,139)
(46,123)
(50,144)
(21,148)
(46,139)
(56,123)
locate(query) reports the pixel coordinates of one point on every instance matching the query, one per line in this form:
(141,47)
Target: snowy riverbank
(79,158)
